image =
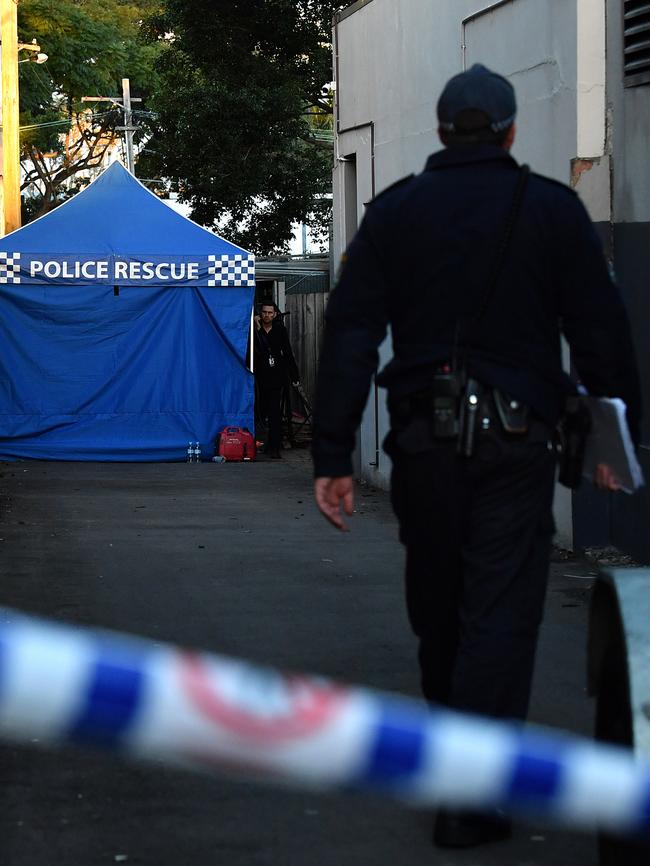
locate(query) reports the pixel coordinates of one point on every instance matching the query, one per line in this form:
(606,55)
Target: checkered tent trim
(234,270)
(9,267)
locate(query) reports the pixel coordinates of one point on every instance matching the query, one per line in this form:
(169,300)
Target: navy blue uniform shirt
(420,262)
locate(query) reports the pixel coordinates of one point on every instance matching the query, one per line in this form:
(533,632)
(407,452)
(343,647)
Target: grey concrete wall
(394,56)
(534,44)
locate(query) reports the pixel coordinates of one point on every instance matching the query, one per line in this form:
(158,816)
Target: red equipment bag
(236,444)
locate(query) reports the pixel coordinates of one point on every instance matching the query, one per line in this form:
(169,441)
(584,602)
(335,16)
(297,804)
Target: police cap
(475,100)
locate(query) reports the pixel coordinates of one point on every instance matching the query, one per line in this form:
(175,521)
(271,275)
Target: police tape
(63,685)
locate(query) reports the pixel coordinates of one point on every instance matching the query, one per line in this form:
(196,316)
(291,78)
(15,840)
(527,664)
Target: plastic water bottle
(190,453)
(197,452)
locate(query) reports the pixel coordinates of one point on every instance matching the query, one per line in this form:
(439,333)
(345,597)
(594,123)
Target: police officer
(275,368)
(478,269)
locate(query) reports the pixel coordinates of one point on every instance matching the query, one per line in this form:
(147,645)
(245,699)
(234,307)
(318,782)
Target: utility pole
(125,104)
(10,121)
(128,127)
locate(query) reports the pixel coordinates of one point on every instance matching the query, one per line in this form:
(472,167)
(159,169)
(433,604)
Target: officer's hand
(605,478)
(330,494)
(256,319)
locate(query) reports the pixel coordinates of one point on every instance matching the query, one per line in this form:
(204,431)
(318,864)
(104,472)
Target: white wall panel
(394,56)
(533,43)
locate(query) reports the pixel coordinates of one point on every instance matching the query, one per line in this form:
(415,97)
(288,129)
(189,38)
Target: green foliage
(239,115)
(91,45)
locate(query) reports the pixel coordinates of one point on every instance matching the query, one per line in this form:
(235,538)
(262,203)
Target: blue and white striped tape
(65,685)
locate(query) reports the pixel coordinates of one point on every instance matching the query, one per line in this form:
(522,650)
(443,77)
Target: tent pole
(252,338)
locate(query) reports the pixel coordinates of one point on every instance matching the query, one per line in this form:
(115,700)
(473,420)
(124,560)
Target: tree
(235,131)
(91,46)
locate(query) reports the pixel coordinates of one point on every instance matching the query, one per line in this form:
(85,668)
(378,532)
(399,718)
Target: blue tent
(123,330)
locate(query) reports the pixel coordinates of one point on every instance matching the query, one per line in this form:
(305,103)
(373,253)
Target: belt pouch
(513,414)
(447,391)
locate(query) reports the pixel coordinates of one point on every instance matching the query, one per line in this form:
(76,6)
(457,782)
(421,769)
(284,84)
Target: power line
(60,122)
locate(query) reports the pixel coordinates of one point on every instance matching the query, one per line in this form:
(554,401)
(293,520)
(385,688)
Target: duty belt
(491,409)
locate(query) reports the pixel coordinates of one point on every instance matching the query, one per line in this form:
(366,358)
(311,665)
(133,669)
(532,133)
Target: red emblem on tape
(305,704)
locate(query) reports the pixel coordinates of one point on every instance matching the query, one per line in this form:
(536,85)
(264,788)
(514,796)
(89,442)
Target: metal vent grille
(636,29)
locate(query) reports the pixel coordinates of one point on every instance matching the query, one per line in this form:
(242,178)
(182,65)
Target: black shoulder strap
(506,237)
(462,341)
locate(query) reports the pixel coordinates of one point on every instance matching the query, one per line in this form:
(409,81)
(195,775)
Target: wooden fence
(305,327)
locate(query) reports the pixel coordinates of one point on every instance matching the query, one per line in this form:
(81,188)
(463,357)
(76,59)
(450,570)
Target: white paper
(609,441)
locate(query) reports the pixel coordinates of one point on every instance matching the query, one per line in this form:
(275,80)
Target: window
(636,30)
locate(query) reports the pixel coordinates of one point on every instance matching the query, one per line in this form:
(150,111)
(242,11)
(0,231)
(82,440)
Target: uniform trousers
(270,394)
(477,533)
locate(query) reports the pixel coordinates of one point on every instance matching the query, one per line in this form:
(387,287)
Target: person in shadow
(275,369)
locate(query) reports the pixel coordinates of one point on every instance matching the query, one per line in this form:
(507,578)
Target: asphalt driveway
(235,559)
